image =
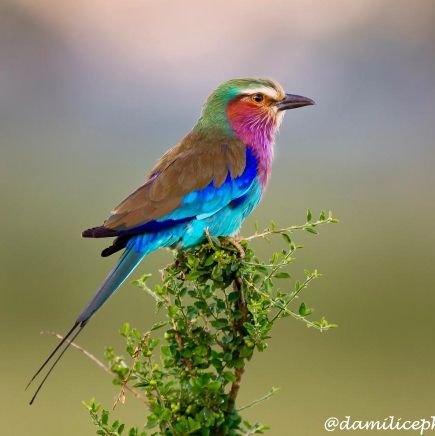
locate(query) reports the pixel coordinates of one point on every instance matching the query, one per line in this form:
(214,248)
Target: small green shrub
(220,302)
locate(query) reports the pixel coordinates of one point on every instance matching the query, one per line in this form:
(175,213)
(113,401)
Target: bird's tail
(126,264)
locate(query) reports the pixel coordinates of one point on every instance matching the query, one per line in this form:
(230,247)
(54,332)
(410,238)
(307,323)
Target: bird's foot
(235,241)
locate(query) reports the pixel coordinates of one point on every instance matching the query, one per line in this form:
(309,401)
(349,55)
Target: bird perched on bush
(209,182)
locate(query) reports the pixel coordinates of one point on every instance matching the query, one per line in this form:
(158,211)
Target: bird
(209,182)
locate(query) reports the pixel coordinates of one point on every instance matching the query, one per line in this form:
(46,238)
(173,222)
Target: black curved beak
(292,101)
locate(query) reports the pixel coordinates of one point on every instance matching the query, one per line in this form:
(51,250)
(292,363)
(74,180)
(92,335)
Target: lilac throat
(258,133)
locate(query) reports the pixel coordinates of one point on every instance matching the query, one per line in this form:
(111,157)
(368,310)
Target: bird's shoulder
(211,152)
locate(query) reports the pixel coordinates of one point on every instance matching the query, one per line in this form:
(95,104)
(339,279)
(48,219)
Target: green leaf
(233,296)
(158,325)
(193,275)
(105,417)
(304,310)
(309,215)
(210,260)
(125,329)
(229,376)
(219,323)
(286,238)
(311,230)
(282,275)
(202,305)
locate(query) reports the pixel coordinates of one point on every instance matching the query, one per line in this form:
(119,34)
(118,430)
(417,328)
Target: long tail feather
(126,264)
(68,344)
(65,338)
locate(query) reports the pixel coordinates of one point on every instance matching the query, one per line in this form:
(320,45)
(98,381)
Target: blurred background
(93,92)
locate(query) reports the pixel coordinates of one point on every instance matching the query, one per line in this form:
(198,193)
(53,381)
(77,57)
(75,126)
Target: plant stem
(101,365)
(241,305)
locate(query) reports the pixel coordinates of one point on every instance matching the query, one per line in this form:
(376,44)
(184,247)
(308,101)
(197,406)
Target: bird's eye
(258,97)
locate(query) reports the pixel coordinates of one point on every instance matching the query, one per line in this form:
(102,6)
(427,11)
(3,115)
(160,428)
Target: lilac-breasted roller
(210,181)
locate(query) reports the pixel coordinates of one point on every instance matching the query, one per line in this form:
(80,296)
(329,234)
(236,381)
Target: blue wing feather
(204,202)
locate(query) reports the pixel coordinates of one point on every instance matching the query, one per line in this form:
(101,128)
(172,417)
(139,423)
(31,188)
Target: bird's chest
(228,221)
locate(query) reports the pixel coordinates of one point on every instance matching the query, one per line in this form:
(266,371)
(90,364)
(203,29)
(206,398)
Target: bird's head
(250,108)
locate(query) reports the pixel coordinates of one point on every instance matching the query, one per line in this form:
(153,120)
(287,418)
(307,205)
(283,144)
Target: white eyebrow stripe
(270,92)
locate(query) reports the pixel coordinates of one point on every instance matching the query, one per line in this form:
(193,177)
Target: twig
(135,356)
(259,400)
(304,285)
(101,365)
(284,308)
(290,229)
(285,262)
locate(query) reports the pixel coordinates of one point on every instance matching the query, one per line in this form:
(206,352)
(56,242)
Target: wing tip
(118,244)
(99,232)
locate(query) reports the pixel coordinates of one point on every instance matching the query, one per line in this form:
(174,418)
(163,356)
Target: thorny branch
(101,365)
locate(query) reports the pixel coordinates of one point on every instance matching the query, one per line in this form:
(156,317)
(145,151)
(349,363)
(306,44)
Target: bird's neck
(255,130)
(258,133)
(263,152)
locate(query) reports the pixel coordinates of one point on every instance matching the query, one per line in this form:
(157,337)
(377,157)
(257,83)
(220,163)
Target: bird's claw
(234,240)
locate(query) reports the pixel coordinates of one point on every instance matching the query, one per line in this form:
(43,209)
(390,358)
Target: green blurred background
(91,94)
